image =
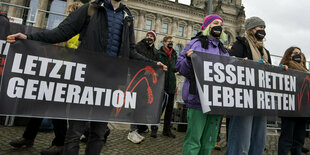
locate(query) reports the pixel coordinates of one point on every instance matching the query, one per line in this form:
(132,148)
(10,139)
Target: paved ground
(118,144)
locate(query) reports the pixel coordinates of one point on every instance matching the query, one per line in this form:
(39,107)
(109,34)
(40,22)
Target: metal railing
(10,120)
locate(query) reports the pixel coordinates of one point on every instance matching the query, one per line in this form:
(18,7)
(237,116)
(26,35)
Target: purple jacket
(184,65)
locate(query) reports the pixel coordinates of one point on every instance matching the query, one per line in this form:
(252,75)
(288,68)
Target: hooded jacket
(146,50)
(184,66)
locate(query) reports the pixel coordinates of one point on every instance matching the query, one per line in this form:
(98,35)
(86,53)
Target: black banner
(42,80)
(232,86)
(11,28)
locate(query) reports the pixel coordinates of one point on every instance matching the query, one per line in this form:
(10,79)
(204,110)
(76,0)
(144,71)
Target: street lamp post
(210,7)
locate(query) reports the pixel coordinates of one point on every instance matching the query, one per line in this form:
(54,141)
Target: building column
(158,23)
(41,15)
(141,25)
(68,3)
(190,30)
(15,11)
(174,28)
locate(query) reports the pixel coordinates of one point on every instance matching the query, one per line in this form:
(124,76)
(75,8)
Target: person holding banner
(247,134)
(60,126)
(168,56)
(146,48)
(105,26)
(293,129)
(202,130)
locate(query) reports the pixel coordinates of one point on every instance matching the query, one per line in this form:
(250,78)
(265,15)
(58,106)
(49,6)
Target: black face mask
(216,31)
(170,45)
(260,34)
(297,58)
(149,41)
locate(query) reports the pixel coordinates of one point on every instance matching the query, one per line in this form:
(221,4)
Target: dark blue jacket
(115,24)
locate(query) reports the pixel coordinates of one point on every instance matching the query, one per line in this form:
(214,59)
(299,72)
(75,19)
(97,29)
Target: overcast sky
(287,23)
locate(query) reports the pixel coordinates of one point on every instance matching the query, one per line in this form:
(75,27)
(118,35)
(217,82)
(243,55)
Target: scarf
(256,53)
(295,65)
(168,52)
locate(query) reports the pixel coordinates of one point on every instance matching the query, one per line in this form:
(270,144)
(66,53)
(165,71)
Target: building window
(178,48)
(165,28)
(181,30)
(54,20)
(195,32)
(148,24)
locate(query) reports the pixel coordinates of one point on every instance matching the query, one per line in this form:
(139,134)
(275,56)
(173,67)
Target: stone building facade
(184,21)
(166,17)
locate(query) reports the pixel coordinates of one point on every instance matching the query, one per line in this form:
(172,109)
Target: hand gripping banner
(232,86)
(42,80)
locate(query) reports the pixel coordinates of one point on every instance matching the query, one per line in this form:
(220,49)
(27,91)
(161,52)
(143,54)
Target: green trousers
(201,134)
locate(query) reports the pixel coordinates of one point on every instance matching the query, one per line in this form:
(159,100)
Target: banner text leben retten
(245,76)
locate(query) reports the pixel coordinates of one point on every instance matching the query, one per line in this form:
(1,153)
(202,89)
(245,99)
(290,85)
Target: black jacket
(241,49)
(146,50)
(94,31)
(170,79)
(5,26)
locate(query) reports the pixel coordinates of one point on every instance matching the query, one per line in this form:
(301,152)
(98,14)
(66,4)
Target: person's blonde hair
(75,5)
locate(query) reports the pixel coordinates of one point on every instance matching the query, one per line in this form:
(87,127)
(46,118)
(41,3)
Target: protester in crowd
(146,48)
(168,56)
(60,126)
(5,24)
(247,134)
(293,129)
(202,129)
(105,26)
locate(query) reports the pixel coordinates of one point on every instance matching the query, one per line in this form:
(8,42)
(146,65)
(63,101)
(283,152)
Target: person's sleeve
(184,65)
(237,50)
(68,28)
(5,27)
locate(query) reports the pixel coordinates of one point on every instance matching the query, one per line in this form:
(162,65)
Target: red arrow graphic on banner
(304,87)
(149,90)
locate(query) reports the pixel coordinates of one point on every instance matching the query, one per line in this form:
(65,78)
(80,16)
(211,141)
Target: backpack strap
(92,8)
